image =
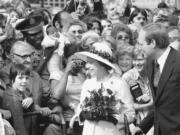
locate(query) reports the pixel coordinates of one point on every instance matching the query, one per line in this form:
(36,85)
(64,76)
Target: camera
(79,64)
(136,91)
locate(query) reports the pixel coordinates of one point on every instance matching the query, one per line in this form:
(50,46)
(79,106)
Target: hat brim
(84,55)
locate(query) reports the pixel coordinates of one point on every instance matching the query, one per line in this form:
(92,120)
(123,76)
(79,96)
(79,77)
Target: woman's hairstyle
(124,50)
(93,36)
(89,22)
(138,52)
(122,28)
(70,49)
(136,12)
(18,69)
(98,6)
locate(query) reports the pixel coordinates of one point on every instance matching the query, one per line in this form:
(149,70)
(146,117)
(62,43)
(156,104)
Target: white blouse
(122,93)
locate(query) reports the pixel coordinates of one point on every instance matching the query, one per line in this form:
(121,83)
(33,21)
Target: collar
(162,59)
(175,45)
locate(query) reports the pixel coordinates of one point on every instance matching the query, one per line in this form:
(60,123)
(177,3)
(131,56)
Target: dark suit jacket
(166,113)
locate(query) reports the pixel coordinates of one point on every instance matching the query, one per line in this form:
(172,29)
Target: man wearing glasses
(22,53)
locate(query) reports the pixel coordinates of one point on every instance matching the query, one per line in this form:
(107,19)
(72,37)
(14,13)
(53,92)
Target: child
(17,98)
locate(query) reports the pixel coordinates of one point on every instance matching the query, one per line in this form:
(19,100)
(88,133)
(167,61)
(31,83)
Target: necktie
(157,74)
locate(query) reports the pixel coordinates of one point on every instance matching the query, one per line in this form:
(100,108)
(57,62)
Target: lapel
(167,71)
(150,71)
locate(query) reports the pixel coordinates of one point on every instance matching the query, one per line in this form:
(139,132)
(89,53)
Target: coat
(166,113)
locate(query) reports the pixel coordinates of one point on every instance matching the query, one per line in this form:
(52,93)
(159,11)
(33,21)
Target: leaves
(99,105)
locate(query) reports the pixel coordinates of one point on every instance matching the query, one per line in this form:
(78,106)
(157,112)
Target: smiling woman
(99,65)
(124,57)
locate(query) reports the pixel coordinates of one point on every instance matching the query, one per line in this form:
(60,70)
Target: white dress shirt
(162,59)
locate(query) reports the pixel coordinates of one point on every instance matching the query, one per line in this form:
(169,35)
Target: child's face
(51,31)
(21,82)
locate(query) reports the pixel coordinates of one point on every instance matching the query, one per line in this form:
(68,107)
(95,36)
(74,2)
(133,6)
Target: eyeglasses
(78,31)
(122,37)
(24,56)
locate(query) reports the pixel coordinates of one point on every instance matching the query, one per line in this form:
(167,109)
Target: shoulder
(176,57)
(35,75)
(117,82)
(6,69)
(8,92)
(89,82)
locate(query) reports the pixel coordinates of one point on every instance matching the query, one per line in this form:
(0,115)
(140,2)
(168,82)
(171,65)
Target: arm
(3,37)
(142,106)
(125,97)
(59,87)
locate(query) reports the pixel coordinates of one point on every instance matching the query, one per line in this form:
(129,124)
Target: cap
(31,25)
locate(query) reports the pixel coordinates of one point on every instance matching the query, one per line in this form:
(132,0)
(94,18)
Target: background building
(153,3)
(54,3)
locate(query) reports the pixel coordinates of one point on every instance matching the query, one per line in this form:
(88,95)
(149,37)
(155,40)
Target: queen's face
(93,67)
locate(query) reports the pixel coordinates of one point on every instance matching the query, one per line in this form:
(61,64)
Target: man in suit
(164,81)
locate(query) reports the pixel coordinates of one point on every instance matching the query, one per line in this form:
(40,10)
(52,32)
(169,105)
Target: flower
(101,105)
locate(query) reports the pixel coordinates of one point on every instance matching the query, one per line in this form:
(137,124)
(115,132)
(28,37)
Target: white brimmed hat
(101,51)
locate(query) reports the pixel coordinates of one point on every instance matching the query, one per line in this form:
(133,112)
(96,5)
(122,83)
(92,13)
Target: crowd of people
(93,68)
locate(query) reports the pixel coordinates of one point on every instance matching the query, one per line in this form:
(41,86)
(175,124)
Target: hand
(57,109)
(6,114)
(137,131)
(144,98)
(45,111)
(70,65)
(75,15)
(27,102)
(56,118)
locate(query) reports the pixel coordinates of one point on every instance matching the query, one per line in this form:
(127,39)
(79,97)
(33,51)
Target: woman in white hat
(99,66)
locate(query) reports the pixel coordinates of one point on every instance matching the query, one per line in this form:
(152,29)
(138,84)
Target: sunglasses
(122,37)
(24,56)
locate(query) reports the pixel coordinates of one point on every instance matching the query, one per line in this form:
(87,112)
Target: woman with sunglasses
(122,34)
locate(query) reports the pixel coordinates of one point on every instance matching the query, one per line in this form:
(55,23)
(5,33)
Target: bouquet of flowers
(99,106)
